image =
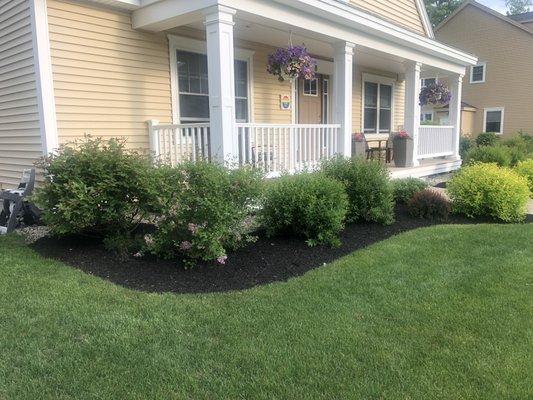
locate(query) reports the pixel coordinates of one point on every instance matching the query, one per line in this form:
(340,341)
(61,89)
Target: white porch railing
(290,148)
(435,141)
(178,143)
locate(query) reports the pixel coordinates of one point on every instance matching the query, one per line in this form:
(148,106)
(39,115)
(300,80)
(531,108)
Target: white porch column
(412,105)
(220,63)
(342,95)
(456,87)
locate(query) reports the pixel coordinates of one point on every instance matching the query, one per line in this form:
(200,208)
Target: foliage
(292,62)
(368,187)
(465,144)
(520,147)
(500,155)
(429,204)
(487,139)
(202,210)
(488,190)
(310,205)
(439,10)
(94,187)
(405,188)
(525,169)
(517,6)
(435,93)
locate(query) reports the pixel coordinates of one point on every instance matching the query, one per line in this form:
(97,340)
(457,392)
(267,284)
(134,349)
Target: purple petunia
(436,94)
(292,62)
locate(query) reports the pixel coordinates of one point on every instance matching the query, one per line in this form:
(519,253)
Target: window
(477,73)
(493,120)
(428,81)
(311,87)
(377,113)
(426,117)
(193,88)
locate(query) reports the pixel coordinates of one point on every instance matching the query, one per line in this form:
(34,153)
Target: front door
(310,98)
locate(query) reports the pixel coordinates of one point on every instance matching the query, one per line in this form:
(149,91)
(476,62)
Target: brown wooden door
(310,101)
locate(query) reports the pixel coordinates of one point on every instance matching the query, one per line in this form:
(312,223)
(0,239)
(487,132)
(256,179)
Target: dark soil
(267,260)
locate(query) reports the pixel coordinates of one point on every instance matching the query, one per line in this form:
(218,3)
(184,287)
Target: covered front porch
(236,113)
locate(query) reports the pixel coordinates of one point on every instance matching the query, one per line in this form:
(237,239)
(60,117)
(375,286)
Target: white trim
(198,46)
(385,80)
(481,64)
(43,76)
(426,22)
(488,109)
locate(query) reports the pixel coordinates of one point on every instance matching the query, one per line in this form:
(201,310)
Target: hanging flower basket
(291,63)
(436,94)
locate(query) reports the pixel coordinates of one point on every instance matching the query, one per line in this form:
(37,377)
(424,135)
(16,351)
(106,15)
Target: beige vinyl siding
(508,51)
(402,12)
(20,139)
(108,78)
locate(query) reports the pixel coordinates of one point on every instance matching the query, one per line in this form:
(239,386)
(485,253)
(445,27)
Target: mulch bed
(262,262)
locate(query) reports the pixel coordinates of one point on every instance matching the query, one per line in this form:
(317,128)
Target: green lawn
(437,313)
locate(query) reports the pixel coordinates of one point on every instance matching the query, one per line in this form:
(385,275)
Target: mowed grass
(438,313)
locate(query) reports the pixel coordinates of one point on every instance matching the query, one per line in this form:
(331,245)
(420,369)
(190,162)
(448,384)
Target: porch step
(426,168)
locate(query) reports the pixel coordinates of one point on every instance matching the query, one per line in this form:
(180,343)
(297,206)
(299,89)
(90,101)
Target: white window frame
(379,80)
(423,81)
(310,94)
(176,43)
(482,64)
(423,115)
(489,109)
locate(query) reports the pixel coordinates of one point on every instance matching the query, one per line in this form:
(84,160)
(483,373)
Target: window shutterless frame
(378,80)
(491,111)
(474,69)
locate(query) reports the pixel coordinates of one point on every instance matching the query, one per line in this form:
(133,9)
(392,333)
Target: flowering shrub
(367,185)
(96,188)
(404,189)
(435,93)
(202,210)
(292,62)
(489,190)
(429,204)
(309,205)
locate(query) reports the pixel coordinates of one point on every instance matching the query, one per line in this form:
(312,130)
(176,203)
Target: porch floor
(426,168)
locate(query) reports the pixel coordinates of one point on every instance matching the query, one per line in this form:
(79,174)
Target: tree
(438,10)
(517,6)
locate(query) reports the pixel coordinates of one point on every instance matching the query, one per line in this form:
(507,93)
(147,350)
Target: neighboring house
(106,67)
(500,86)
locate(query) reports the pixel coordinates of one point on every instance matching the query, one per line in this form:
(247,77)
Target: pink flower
(222,259)
(185,245)
(402,135)
(359,137)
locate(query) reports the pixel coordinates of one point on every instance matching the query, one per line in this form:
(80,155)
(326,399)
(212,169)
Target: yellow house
(499,85)
(188,78)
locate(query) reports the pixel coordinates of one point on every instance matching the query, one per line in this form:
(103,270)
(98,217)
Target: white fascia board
(121,4)
(43,76)
(167,14)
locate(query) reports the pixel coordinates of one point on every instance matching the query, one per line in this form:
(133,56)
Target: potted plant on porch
(291,63)
(358,145)
(402,146)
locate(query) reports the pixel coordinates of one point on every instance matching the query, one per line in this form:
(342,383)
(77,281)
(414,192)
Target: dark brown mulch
(267,260)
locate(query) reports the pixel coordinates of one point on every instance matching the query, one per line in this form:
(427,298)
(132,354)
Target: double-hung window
(428,81)
(193,88)
(478,73)
(493,120)
(377,107)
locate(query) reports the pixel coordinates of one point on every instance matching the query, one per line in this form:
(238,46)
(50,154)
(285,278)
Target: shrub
(405,188)
(429,204)
(94,187)
(525,169)
(368,187)
(487,139)
(489,190)
(203,210)
(465,144)
(309,205)
(489,154)
(520,148)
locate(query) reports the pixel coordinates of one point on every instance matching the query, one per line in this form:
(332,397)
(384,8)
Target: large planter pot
(403,151)
(358,148)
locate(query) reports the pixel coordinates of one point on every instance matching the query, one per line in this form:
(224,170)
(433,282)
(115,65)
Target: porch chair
(14,204)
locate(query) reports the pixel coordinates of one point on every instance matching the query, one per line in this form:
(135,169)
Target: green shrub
(465,144)
(94,187)
(202,210)
(520,148)
(368,187)
(525,169)
(487,139)
(429,204)
(489,154)
(308,205)
(405,188)
(488,190)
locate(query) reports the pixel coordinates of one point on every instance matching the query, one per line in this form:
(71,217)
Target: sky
(498,5)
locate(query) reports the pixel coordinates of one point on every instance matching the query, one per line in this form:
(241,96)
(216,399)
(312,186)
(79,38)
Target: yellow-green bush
(488,190)
(525,168)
